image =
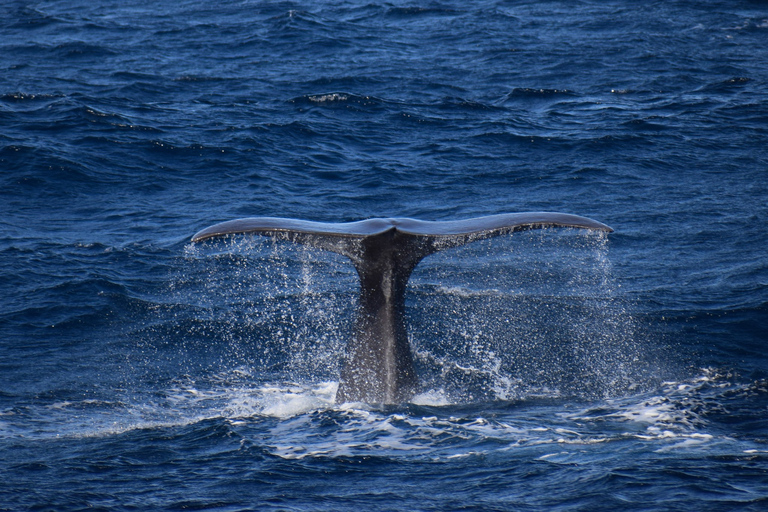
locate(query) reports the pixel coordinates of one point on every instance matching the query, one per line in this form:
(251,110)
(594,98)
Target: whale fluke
(378,366)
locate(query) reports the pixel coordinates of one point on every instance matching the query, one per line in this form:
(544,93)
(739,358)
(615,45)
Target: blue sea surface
(560,369)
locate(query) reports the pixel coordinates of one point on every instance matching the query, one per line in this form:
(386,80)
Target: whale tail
(378,366)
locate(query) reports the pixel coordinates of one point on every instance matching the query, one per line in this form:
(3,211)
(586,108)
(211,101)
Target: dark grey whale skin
(378,366)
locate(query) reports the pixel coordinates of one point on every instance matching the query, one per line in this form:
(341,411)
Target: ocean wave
(414,11)
(453,102)
(340,99)
(29,97)
(530,92)
(82,49)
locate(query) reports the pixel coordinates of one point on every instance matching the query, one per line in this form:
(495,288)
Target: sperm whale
(378,363)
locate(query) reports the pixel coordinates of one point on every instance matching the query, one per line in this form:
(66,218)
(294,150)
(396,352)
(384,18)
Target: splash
(280,309)
(539,314)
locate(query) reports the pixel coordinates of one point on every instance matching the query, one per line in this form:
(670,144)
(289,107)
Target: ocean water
(560,370)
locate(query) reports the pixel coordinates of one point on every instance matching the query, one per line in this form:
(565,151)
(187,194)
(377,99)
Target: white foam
(686,442)
(328,98)
(281,404)
(435,398)
(60,405)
